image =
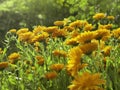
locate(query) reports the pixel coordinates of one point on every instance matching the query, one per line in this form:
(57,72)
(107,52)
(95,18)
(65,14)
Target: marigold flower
(89,47)
(110,17)
(50,75)
(3,65)
(40,60)
(57,67)
(59,23)
(86,37)
(13,57)
(99,16)
(59,53)
(87,81)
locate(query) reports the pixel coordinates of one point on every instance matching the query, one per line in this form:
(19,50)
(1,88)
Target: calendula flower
(88,48)
(40,60)
(38,30)
(87,81)
(60,53)
(50,75)
(13,30)
(57,67)
(26,37)
(59,23)
(3,65)
(110,17)
(78,23)
(86,37)
(22,30)
(103,34)
(74,63)
(59,33)
(88,27)
(51,29)
(13,57)
(40,37)
(116,33)
(99,16)
(106,50)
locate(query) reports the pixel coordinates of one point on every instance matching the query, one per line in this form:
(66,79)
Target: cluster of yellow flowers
(82,38)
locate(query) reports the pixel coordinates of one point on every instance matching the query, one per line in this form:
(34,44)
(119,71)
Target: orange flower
(87,81)
(50,75)
(40,60)
(57,67)
(59,53)
(3,65)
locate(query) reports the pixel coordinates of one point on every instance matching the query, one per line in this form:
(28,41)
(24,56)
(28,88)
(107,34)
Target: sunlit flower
(116,33)
(13,57)
(50,75)
(87,81)
(99,16)
(68,28)
(110,17)
(3,65)
(22,30)
(108,26)
(26,37)
(78,23)
(103,34)
(40,60)
(86,37)
(106,50)
(57,67)
(13,30)
(40,37)
(59,33)
(51,29)
(74,64)
(38,29)
(59,53)
(59,23)
(88,48)
(88,27)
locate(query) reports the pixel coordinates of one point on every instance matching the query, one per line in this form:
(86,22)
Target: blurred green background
(28,13)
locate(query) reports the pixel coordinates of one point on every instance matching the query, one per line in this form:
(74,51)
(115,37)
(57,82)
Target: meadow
(71,55)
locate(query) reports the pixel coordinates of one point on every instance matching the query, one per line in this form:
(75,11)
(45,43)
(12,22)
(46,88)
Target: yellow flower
(1,51)
(59,33)
(59,53)
(108,26)
(13,57)
(110,17)
(38,29)
(26,37)
(74,33)
(59,23)
(71,41)
(89,47)
(87,81)
(50,75)
(116,33)
(22,30)
(78,23)
(86,37)
(51,29)
(3,65)
(99,16)
(40,60)
(57,67)
(74,63)
(12,30)
(106,50)
(103,34)
(88,27)
(68,28)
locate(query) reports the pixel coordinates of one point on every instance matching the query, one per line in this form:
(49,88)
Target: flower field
(71,55)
